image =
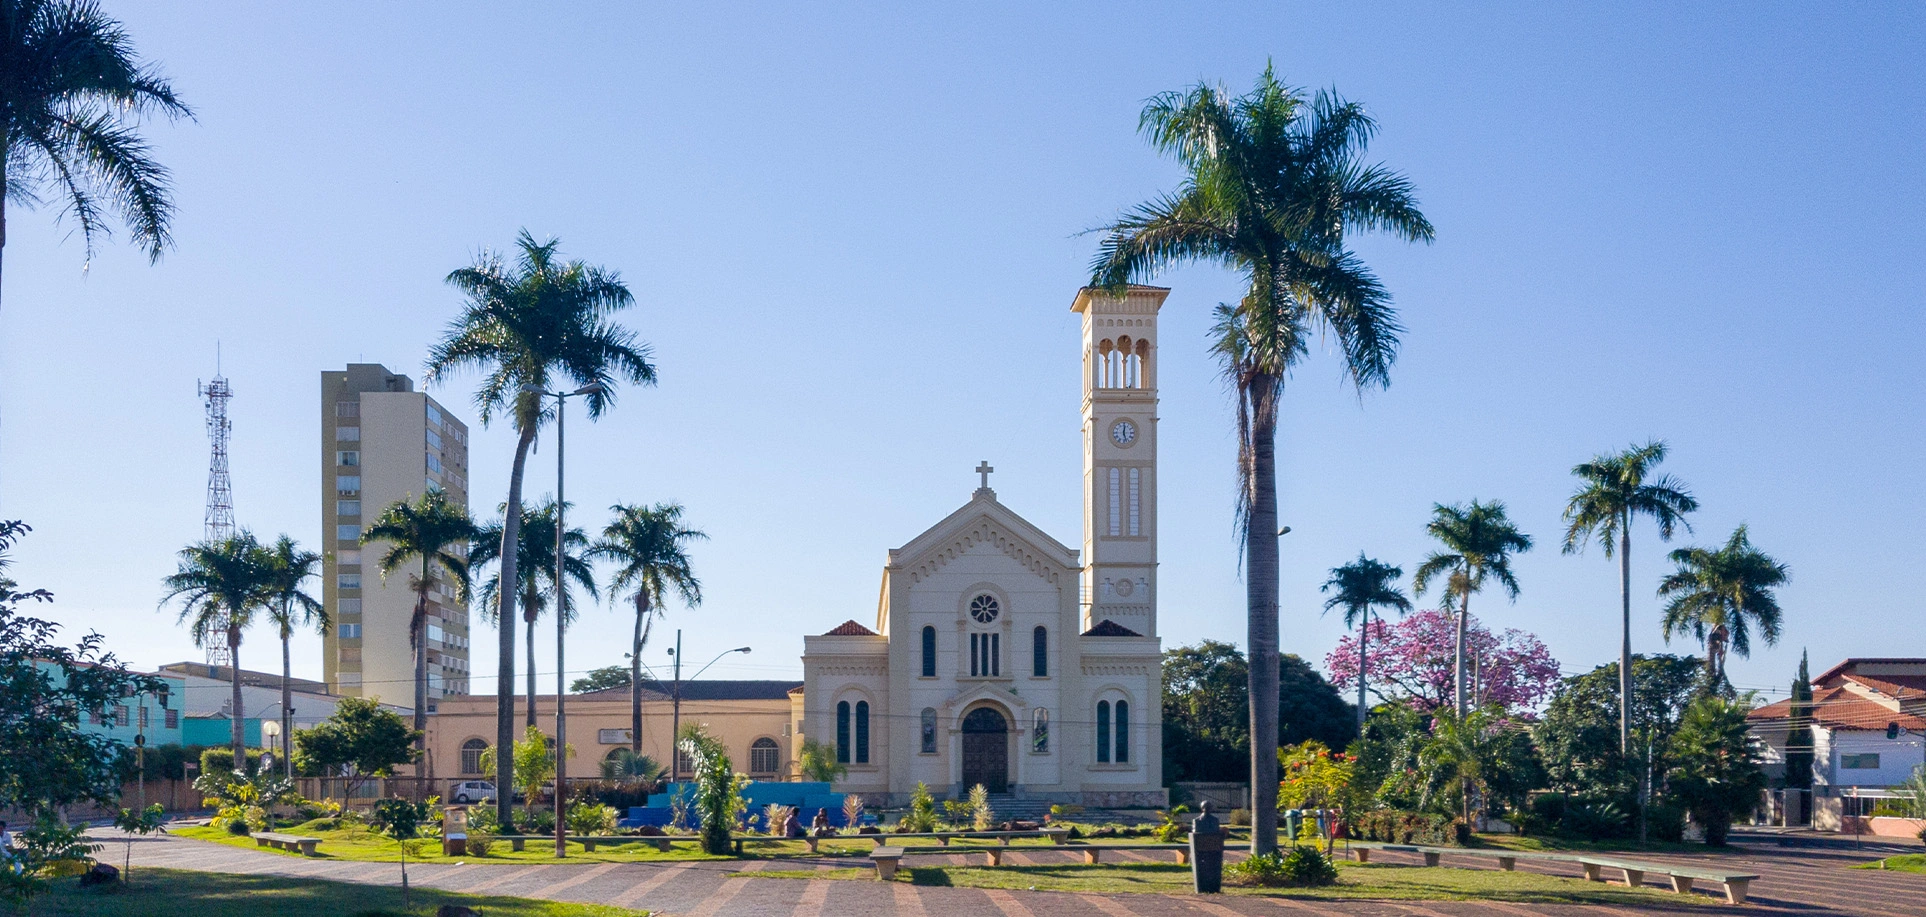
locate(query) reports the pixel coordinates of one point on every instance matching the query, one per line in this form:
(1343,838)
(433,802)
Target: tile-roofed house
(1869,732)
(849,629)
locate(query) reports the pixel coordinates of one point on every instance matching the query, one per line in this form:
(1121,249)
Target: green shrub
(236,826)
(922,814)
(1303,867)
(479,843)
(591,818)
(1393,827)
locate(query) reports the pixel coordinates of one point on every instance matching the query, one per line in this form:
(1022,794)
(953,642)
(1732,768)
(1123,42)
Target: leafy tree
(1799,732)
(1578,735)
(151,820)
(1309,709)
(818,762)
(1314,777)
(1412,661)
(527,325)
(424,531)
(1461,753)
(361,737)
(1615,490)
(532,762)
(718,790)
(1273,181)
(648,545)
(402,820)
(624,764)
(1719,595)
(602,679)
(220,585)
(1358,587)
(69,79)
(288,606)
(1206,732)
(44,846)
(1479,540)
(1714,774)
(537,572)
(46,690)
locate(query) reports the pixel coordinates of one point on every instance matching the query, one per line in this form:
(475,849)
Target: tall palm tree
(1479,540)
(647,544)
(525,325)
(1273,182)
(290,606)
(220,585)
(1358,587)
(424,530)
(1720,594)
(69,78)
(537,573)
(1615,490)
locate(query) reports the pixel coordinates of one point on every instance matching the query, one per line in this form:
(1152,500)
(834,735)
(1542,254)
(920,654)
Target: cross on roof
(984,469)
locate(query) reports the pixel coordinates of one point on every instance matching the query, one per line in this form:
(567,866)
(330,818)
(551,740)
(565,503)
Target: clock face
(1123,433)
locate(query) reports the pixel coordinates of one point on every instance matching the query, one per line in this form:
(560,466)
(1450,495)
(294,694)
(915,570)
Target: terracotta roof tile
(1109,628)
(1838,708)
(850,629)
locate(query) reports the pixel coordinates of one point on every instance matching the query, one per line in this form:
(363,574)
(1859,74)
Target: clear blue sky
(854,236)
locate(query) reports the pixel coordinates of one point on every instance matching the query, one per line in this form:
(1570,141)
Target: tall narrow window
(929,730)
(996,655)
(862,732)
(1116,501)
(975,655)
(842,732)
(1136,478)
(1123,732)
(1040,734)
(929,652)
(1040,653)
(1103,732)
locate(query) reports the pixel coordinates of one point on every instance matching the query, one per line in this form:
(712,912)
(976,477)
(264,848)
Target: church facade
(1003,657)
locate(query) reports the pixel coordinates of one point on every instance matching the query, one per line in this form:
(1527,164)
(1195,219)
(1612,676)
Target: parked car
(472,791)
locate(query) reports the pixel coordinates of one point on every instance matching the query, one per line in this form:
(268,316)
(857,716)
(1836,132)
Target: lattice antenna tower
(219,519)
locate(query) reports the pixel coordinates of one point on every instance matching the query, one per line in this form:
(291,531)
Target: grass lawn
(1905,862)
(1372,881)
(172,892)
(367,846)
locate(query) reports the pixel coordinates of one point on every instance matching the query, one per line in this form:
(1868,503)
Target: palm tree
(647,545)
(68,80)
(220,585)
(537,571)
(1720,595)
(1358,587)
(1615,490)
(525,325)
(1479,540)
(288,607)
(424,530)
(1274,180)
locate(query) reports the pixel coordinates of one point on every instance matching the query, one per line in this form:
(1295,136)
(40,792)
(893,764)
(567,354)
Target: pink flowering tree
(1411,660)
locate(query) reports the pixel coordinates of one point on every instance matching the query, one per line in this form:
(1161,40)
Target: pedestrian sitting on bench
(819,826)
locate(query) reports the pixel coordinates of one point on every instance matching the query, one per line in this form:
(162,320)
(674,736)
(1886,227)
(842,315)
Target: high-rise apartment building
(382,441)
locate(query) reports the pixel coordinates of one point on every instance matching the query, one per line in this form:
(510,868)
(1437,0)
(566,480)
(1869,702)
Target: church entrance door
(986,750)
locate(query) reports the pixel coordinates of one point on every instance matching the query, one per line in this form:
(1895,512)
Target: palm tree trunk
(1625,646)
(530,619)
(287,703)
(1364,636)
(635,674)
(239,725)
(418,635)
(1260,545)
(505,670)
(1458,679)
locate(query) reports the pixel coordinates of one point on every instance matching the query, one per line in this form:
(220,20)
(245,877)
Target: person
(791,825)
(7,854)
(819,826)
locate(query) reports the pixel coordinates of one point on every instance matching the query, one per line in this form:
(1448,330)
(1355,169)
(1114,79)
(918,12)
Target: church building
(1002,656)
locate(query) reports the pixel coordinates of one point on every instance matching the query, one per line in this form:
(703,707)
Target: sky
(854,233)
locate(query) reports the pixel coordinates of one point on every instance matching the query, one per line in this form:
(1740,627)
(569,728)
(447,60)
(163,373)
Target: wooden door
(986,750)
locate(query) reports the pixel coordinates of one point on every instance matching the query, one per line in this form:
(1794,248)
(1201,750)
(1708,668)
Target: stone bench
(1056,836)
(1507,859)
(298,842)
(519,842)
(1733,884)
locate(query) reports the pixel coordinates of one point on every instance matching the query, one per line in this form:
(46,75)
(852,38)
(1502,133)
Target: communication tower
(219,519)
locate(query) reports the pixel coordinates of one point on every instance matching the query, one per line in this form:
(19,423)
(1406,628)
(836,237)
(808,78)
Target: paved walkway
(1807,881)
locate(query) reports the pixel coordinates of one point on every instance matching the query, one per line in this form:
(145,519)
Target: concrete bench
(1734,885)
(287,842)
(1507,859)
(886,860)
(1056,836)
(519,842)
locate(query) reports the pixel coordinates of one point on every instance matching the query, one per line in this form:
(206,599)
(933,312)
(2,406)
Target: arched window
(1103,732)
(929,731)
(765,756)
(1040,652)
(471,752)
(1123,732)
(1040,731)
(929,652)
(862,732)
(842,732)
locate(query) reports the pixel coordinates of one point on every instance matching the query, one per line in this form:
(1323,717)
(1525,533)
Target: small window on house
(348,556)
(173,719)
(862,732)
(347,434)
(347,409)
(434,416)
(685,763)
(347,533)
(143,717)
(120,714)
(1040,653)
(929,731)
(1116,502)
(1040,733)
(347,459)
(350,631)
(434,462)
(434,439)
(350,580)
(1863,762)
(842,732)
(471,754)
(929,652)
(347,484)
(1103,732)
(764,756)
(347,606)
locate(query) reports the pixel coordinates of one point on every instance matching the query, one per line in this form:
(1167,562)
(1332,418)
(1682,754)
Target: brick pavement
(1809,882)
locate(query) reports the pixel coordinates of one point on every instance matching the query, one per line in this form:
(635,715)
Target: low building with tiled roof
(1869,733)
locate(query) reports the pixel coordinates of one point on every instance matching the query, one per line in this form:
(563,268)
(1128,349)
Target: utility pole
(675,715)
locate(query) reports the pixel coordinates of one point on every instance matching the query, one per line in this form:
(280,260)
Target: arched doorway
(986,750)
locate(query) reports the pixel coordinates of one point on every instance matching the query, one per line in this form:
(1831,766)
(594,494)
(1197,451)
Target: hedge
(1393,827)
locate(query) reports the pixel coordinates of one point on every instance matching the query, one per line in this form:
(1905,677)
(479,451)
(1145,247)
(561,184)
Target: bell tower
(1120,456)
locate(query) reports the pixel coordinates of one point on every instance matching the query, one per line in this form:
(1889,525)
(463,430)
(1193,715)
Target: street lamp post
(675,703)
(561,611)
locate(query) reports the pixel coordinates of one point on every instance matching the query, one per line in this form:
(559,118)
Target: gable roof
(1840,708)
(850,629)
(712,689)
(1109,628)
